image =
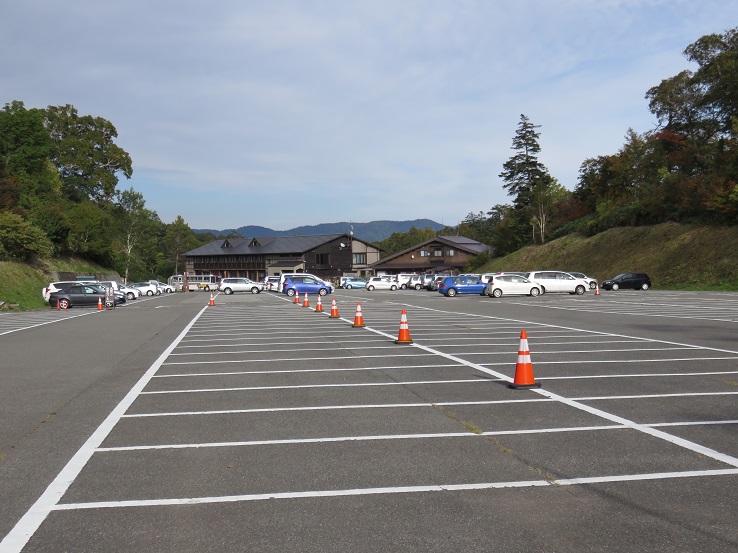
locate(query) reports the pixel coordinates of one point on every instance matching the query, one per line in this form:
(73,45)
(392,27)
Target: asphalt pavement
(259,424)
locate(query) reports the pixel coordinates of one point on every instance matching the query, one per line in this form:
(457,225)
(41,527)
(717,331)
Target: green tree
(89,231)
(546,196)
(20,240)
(179,239)
(135,227)
(85,154)
(521,175)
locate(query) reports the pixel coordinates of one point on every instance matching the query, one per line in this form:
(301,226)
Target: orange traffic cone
(319,306)
(99,304)
(597,289)
(334,310)
(524,368)
(212,299)
(404,335)
(359,318)
(297,298)
(306,303)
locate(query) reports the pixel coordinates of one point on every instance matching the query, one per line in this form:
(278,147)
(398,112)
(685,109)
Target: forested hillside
(684,170)
(60,171)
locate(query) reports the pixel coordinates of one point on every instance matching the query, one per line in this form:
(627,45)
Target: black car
(636,281)
(81,294)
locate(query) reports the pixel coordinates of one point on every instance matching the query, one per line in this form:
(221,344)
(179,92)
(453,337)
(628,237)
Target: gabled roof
(459,242)
(268,245)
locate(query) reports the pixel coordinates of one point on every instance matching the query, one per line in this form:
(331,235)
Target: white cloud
(296,112)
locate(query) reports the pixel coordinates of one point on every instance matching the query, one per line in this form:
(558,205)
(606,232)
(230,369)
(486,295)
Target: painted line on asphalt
(389,437)
(46,323)
(427,405)
(321,370)
(393,491)
(18,537)
(686,444)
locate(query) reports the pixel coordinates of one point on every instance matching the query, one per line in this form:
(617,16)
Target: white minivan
(558,281)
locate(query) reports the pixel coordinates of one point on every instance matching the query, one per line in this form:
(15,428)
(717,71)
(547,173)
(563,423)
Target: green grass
(676,257)
(21,283)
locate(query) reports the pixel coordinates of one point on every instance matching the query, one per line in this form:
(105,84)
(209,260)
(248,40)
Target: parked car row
(86,292)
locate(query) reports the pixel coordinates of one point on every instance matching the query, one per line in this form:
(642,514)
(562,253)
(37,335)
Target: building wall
(425,259)
(329,260)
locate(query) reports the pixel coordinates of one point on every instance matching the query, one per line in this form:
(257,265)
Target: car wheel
(255,290)
(615,286)
(403,286)
(417,286)
(206,288)
(348,287)
(149,293)
(291,292)
(393,287)
(227,291)
(64,304)
(645,286)
(497,292)
(131,296)
(592,285)
(534,292)
(158,292)
(370,288)
(451,292)
(322,292)
(579,290)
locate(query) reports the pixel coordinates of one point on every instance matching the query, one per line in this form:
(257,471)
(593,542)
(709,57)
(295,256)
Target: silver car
(230,285)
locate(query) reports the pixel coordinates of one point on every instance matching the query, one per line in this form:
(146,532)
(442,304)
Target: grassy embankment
(21,283)
(676,257)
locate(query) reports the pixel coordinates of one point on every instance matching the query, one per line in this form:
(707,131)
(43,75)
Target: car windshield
(621,275)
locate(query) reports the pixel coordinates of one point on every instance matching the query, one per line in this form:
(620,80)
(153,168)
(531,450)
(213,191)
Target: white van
(403,279)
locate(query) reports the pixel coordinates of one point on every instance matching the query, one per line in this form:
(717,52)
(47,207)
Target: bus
(194,282)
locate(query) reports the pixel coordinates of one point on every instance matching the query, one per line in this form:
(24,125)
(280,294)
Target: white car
(230,285)
(558,281)
(382,283)
(271,283)
(163,286)
(129,292)
(147,288)
(508,285)
(591,280)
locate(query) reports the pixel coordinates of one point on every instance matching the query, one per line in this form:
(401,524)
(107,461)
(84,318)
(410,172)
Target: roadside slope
(674,256)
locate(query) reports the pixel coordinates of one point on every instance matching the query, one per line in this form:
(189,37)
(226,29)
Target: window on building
(424,253)
(358,259)
(450,253)
(438,252)
(322,259)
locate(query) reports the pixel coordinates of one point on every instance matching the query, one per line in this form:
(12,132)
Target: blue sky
(288,113)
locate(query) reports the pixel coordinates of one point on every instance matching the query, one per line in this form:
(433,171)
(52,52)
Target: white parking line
(18,537)
(396,490)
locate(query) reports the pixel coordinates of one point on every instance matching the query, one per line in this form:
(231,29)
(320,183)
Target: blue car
(305,284)
(450,286)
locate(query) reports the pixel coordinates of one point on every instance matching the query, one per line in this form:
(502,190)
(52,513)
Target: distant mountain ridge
(374,231)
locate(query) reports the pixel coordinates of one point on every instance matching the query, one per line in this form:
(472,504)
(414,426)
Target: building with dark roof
(324,255)
(442,254)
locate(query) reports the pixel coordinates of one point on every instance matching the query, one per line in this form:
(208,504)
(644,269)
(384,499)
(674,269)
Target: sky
(285,113)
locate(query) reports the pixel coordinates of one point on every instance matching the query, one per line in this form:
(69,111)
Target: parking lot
(264,426)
